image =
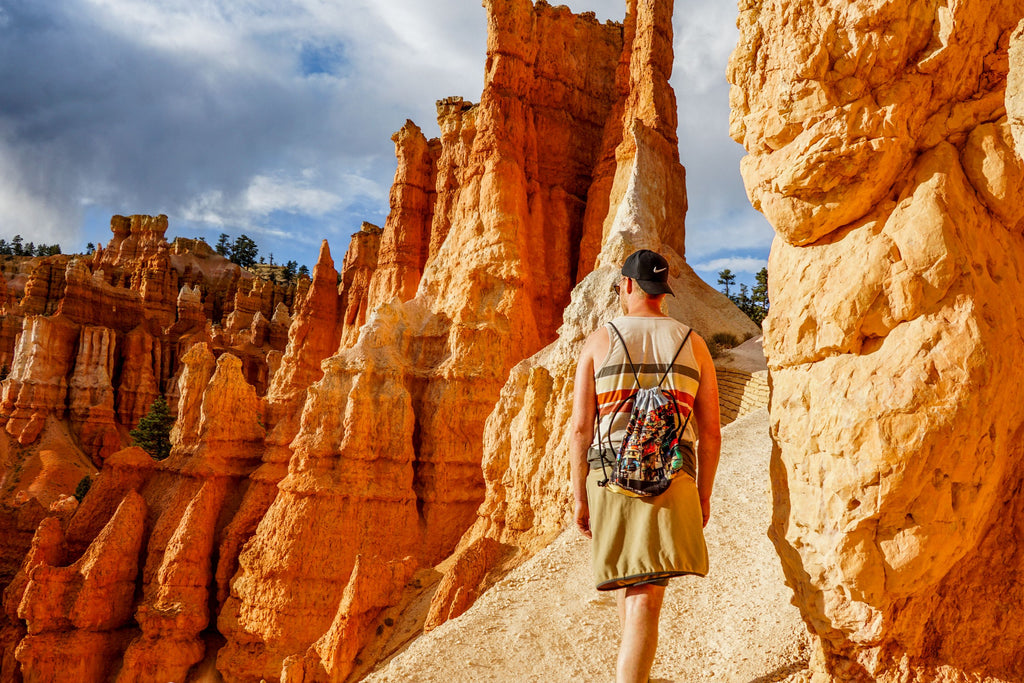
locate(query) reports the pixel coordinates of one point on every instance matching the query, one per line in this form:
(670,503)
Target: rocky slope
(286,522)
(91,342)
(884,147)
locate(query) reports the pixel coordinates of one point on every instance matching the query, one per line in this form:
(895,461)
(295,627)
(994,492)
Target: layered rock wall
(113,325)
(357,272)
(883,146)
(155,526)
(406,240)
(87,347)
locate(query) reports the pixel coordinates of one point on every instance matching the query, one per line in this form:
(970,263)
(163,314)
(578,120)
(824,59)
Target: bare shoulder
(595,348)
(699,345)
(702,355)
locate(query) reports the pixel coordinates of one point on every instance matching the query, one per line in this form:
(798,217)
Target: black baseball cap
(650,270)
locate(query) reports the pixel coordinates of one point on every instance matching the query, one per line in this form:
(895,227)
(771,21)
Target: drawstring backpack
(645,458)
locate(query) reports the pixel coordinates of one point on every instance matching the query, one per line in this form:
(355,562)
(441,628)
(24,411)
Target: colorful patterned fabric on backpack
(651,451)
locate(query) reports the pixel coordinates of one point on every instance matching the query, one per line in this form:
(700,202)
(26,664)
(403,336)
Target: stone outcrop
(406,240)
(457,120)
(152,525)
(883,145)
(369,590)
(44,286)
(92,392)
(113,325)
(314,335)
(217,444)
(87,344)
(75,614)
(356,279)
(37,385)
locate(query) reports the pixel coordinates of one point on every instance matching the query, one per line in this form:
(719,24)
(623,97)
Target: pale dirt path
(545,621)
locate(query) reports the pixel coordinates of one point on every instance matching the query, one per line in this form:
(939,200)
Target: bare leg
(640,607)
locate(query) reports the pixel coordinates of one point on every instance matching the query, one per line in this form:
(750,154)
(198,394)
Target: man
(639,543)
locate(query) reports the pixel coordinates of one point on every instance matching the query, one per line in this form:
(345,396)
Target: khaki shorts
(645,540)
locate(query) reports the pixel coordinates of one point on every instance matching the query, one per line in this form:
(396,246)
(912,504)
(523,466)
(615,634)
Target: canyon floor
(545,622)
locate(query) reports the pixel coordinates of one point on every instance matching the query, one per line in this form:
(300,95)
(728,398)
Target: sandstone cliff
(294,523)
(884,147)
(104,332)
(502,253)
(526,437)
(155,525)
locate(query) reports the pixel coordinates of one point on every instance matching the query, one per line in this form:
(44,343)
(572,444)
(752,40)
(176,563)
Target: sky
(274,118)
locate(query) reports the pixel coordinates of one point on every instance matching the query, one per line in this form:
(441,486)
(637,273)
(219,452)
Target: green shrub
(153,433)
(721,342)
(725,340)
(83,488)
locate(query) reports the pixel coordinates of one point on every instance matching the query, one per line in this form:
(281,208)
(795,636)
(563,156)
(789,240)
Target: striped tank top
(652,342)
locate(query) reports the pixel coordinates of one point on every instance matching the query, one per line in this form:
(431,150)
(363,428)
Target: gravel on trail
(545,621)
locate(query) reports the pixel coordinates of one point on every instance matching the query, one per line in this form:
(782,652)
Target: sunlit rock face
(390,439)
(123,586)
(87,343)
(640,185)
(884,147)
(112,326)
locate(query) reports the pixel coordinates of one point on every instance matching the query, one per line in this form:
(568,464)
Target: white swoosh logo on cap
(659,270)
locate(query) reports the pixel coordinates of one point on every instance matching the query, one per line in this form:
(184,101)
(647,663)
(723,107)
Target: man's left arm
(709,429)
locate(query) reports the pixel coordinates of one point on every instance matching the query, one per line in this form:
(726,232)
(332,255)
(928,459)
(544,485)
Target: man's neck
(645,308)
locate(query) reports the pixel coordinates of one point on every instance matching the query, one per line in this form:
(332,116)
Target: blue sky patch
(326,60)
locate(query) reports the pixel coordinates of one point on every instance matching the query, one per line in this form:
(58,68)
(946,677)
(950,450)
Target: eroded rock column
(881,150)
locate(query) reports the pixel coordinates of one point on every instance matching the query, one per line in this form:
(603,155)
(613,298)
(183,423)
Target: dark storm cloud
(89,115)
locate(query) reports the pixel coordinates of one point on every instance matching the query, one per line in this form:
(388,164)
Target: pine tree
(303,270)
(223,246)
(153,433)
(727,278)
(244,251)
(759,295)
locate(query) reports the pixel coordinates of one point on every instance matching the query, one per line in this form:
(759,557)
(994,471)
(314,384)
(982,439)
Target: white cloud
(296,195)
(300,195)
(737,264)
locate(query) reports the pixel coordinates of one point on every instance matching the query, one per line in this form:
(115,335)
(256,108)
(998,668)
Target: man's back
(651,344)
